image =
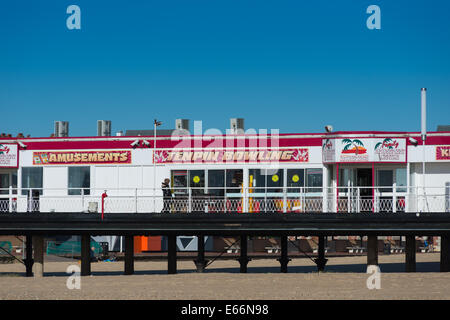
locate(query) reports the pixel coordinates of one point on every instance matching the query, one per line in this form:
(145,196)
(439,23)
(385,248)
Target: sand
(344,278)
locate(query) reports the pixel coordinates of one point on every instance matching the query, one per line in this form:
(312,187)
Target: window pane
(79,177)
(257,180)
(234,180)
(216,182)
(295,179)
(31,178)
(385,178)
(179,182)
(400,179)
(275,180)
(197,181)
(4,183)
(314,179)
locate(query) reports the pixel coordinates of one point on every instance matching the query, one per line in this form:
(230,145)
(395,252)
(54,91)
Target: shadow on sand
(342,268)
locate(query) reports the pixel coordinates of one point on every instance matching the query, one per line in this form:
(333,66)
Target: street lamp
(424,137)
(156,123)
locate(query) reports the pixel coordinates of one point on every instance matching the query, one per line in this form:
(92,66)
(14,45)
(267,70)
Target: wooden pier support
(445,253)
(410,260)
(38,266)
(243,258)
(321,261)
(28,261)
(129,255)
(372,250)
(200,262)
(172,254)
(284,260)
(85,255)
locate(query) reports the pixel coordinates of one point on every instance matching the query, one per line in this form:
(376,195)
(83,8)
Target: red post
(337,187)
(373,186)
(104,195)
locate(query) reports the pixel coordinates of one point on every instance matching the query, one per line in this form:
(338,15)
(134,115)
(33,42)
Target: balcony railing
(229,200)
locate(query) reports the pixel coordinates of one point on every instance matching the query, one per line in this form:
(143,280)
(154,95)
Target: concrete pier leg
(372,250)
(284,260)
(129,255)
(29,256)
(243,258)
(445,253)
(38,266)
(410,262)
(172,254)
(200,262)
(85,255)
(321,261)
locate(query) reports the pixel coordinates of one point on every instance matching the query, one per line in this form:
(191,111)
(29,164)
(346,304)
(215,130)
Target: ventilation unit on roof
(103,128)
(61,129)
(237,125)
(182,124)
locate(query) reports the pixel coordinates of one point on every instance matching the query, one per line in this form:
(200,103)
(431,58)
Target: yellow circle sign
(196,179)
(275,178)
(295,178)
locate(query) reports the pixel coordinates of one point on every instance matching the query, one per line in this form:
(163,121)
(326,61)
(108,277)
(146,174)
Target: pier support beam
(38,266)
(28,261)
(172,254)
(129,255)
(200,262)
(445,253)
(243,258)
(372,250)
(284,260)
(410,262)
(321,261)
(85,255)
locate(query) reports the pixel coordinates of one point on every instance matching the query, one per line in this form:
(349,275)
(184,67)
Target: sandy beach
(344,278)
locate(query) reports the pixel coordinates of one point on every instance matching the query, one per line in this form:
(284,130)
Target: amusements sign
(9,156)
(232,156)
(443,153)
(88,157)
(364,150)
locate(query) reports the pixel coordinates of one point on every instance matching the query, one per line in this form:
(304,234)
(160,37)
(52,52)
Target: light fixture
(157,123)
(135,143)
(21,144)
(328,128)
(413,141)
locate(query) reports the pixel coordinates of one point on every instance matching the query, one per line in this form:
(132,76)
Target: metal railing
(229,200)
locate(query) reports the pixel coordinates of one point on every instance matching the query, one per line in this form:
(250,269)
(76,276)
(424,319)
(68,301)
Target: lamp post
(156,123)
(424,136)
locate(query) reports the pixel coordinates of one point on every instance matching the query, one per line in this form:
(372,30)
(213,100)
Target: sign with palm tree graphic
(355,146)
(364,150)
(8,155)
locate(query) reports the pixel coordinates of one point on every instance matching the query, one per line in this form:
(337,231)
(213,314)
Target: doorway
(364,179)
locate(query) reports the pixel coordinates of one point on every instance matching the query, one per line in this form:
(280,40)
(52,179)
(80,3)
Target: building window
(295,180)
(314,179)
(79,178)
(234,180)
(385,179)
(197,182)
(216,182)
(31,179)
(400,179)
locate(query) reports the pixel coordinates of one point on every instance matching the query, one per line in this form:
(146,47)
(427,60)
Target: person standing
(167,195)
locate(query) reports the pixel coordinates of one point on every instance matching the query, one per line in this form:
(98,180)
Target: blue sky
(287,64)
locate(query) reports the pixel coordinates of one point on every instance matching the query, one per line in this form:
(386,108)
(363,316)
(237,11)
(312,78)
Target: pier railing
(229,200)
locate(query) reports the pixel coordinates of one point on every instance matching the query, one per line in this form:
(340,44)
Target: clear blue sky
(292,65)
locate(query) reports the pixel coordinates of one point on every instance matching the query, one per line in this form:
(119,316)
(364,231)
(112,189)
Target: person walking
(167,195)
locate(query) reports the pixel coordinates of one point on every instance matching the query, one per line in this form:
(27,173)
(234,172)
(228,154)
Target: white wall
(55,178)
